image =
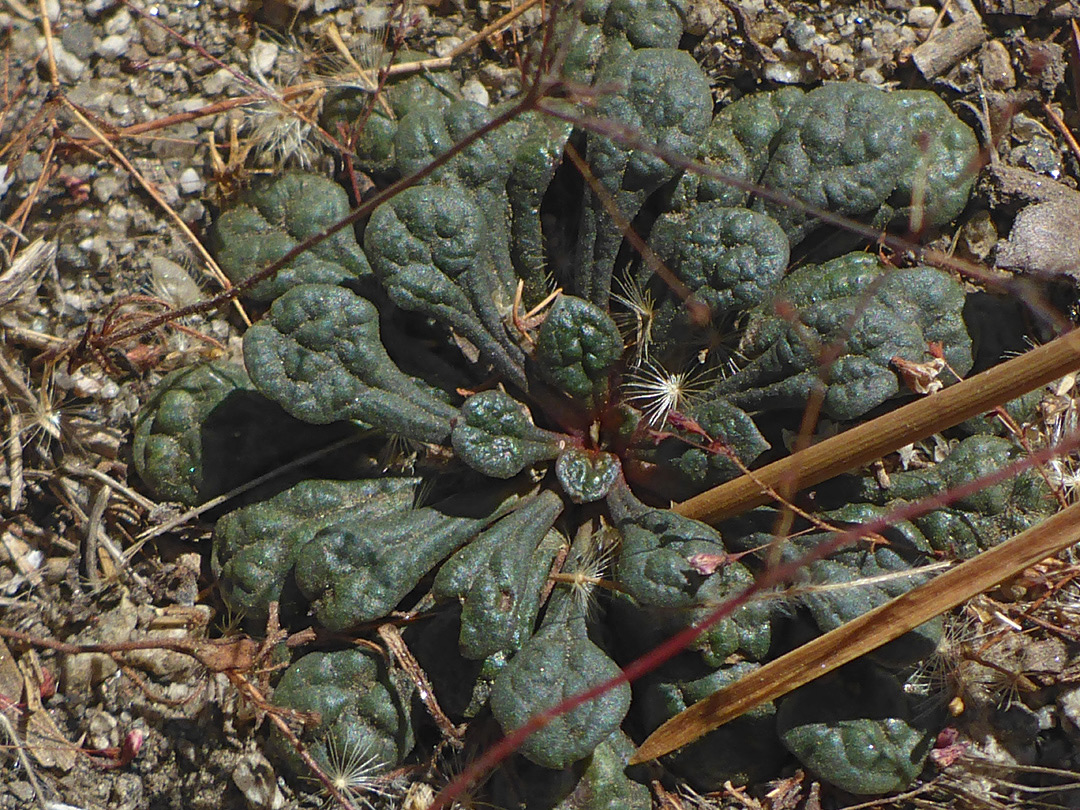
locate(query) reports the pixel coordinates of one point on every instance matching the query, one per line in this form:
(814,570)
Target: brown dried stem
(871,440)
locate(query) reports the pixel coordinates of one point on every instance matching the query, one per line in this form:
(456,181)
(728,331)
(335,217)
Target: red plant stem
(769,578)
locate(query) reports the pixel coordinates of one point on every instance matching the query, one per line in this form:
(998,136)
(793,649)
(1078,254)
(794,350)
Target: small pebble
(68,65)
(120,105)
(216,83)
(922,16)
(871,76)
(996,66)
(95,8)
(119,22)
(105,187)
(190,181)
(444,46)
(474,91)
(78,38)
(112,47)
(22,791)
(263,55)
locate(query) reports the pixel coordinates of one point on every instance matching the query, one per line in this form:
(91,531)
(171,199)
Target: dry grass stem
(871,440)
(866,633)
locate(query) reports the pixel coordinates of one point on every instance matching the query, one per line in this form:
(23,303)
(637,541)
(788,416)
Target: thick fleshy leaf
(698,468)
(678,570)
(256,546)
(850,148)
(319,355)
(363,709)
(272,219)
(536,158)
(429,247)
(204,430)
(587,475)
(577,349)
(374,144)
(857,579)
(502,597)
(358,568)
(865,314)
(856,730)
(729,260)
(558,662)
(665,99)
(495,435)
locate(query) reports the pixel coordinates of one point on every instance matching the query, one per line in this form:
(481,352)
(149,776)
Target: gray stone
(217,82)
(21,791)
(154,39)
(1044,240)
(444,46)
(190,181)
(105,187)
(78,38)
(69,67)
(112,47)
(474,91)
(922,16)
(120,105)
(119,22)
(262,57)
(95,8)
(30,166)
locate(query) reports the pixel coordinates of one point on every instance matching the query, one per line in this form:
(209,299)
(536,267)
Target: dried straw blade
(871,440)
(865,634)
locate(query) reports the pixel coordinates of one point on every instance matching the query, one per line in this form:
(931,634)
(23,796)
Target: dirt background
(115,129)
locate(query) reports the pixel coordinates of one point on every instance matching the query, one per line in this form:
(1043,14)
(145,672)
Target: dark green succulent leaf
(363,709)
(972,459)
(587,475)
(558,662)
(256,546)
(580,27)
(495,436)
(358,568)
(855,729)
(429,247)
(943,160)
(632,24)
(604,785)
(744,751)
(850,148)
(737,146)
(481,169)
(577,349)
(977,521)
(678,571)
(857,579)
(319,355)
(729,260)
(272,219)
(350,106)
(503,600)
(665,98)
(204,431)
(536,158)
(871,313)
(700,469)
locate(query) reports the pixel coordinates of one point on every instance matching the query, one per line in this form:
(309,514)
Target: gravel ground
(101,158)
